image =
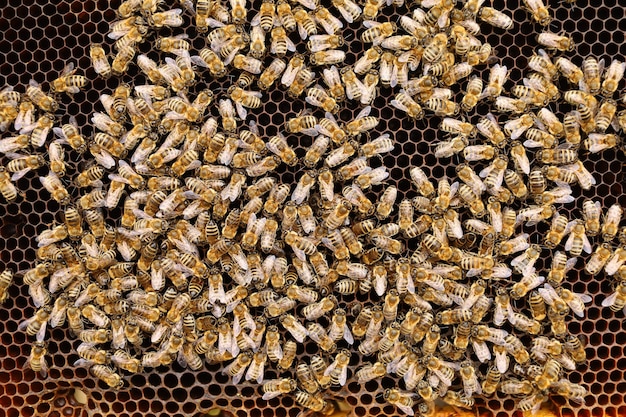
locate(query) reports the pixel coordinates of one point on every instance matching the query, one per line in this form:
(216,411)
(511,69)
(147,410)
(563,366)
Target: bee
(557,232)
(276,387)
(305,21)
(604,117)
(317,149)
(302,124)
(278,195)
(560,266)
(271,74)
(472,94)
(451,147)
(472,200)
(552,41)
(36,325)
(68,82)
(456,73)
(312,402)
(294,327)
(210,60)
(8,190)
(575,349)
(338,369)
(99,60)
(612,77)
(617,300)
(243,98)
(348,9)
(318,43)
(495,18)
(405,103)
(303,188)
(280,42)
(577,240)
(319,336)
(41,99)
(569,70)
(289,354)
(557,156)
(453,316)
(550,373)
(278,145)
(616,261)
(317,310)
(107,375)
(39,130)
(257,51)
(55,187)
(611,223)
(598,259)
(317,96)
(284,14)
(516,387)
(257,367)
(122,59)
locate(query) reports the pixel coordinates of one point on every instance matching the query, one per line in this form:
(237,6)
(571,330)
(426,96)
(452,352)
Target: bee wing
(302,31)
(195,59)
(41,334)
(19,174)
(270,395)
(548,293)
(347,334)
(346,14)
(586,244)
(241,111)
(104,158)
(455,227)
(343,377)
(486,171)
(613,264)
(157,278)
(610,300)
(290,45)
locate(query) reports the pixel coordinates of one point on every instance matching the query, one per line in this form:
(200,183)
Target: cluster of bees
(214,259)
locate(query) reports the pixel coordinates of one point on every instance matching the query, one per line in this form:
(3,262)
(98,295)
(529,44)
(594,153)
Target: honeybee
(604,117)
(271,74)
(278,145)
(316,151)
(280,42)
(611,223)
(312,402)
(107,375)
(404,102)
(243,98)
(209,59)
(552,41)
(294,327)
(275,387)
(577,240)
(569,70)
(612,77)
(305,123)
(67,82)
(317,96)
(348,9)
(331,24)
(55,187)
(333,81)
(617,300)
(41,99)
(616,261)
(472,94)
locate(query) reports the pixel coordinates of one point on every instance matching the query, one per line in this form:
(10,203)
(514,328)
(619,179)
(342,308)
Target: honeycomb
(40,38)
